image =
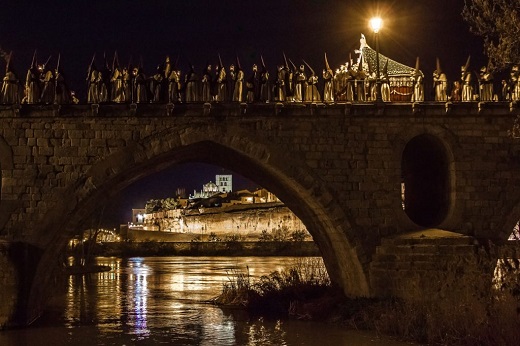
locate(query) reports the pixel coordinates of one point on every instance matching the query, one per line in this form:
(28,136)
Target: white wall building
(208,190)
(224,182)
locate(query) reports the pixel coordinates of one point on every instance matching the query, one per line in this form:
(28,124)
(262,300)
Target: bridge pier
(430,264)
(9,285)
(18,262)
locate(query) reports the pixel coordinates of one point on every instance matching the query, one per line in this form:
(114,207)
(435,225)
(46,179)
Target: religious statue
(140,90)
(349,75)
(93,79)
(328,89)
(506,91)
(191,82)
(239,82)
(32,83)
(417,79)
(465,78)
(440,84)
(252,85)
(311,89)
(10,93)
(486,84)
(116,82)
(63,93)
(156,85)
(514,80)
(385,83)
(221,84)
(290,81)
(279,86)
(174,81)
(300,85)
(104,82)
(127,84)
(265,89)
(360,77)
(231,80)
(206,81)
(48,84)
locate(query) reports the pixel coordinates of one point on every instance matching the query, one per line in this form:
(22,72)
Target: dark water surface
(160,300)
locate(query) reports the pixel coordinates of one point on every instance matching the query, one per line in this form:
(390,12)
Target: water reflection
(145,301)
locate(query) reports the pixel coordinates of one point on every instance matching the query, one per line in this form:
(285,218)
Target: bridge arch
(287,177)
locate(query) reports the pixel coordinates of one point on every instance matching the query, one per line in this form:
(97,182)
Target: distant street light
(376,23)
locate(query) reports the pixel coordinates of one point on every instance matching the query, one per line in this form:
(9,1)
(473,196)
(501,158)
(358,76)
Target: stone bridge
(361,177)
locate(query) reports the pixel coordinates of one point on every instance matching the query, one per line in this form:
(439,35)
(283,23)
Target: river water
(160,300)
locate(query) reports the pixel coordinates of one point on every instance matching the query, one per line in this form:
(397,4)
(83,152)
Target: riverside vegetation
(483,312)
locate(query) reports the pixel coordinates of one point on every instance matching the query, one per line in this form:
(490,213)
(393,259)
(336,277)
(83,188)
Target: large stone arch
(302,190)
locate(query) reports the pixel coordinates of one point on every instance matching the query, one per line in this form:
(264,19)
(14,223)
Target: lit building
(138,216)
(224,182)
(208,190)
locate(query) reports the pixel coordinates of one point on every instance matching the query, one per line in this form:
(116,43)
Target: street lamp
(376,23)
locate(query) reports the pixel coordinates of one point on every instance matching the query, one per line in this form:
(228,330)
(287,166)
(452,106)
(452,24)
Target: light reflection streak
(138,290)
(142,297)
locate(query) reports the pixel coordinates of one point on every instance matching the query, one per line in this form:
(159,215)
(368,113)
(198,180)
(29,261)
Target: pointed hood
(264,68)
(438,66)
(34,60)
(239,67)
(309,67)
(8,62)
(285,59)
(466,66)
(220,64)
(327,66)
(293,65)
(385,68)
(417,71)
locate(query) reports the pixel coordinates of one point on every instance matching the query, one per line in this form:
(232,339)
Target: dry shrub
(273,293)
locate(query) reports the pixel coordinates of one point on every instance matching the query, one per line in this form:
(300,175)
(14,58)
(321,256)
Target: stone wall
(9,285)
(245,221)
(431,265)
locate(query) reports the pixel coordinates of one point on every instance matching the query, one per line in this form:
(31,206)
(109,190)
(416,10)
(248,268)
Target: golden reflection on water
(148,301)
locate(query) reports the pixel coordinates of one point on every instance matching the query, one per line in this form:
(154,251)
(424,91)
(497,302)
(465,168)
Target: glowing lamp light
(376,23)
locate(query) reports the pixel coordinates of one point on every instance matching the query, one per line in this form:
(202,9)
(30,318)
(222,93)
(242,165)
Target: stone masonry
(337,167)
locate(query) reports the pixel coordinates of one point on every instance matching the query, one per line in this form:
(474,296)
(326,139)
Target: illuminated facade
(224,182)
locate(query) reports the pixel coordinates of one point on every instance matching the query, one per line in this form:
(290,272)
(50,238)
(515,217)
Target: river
(160,300)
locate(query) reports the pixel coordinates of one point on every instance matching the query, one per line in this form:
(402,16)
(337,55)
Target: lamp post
(375,24)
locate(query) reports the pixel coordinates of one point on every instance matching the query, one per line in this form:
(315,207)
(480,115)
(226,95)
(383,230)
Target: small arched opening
(425,188)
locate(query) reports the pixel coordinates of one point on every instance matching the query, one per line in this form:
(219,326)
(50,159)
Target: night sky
(196,31)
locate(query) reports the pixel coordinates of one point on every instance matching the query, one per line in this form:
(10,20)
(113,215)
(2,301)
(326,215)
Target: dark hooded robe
(63,94)
(49,86)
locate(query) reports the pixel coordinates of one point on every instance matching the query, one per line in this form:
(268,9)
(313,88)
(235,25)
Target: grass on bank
(481,313)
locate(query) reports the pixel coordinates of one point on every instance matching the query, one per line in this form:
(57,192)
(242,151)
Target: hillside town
(215,211)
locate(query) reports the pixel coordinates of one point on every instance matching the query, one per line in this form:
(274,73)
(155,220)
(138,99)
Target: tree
(153,205)
(498,23)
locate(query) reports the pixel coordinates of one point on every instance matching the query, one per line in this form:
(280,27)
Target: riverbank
(480,315)
(223,248)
